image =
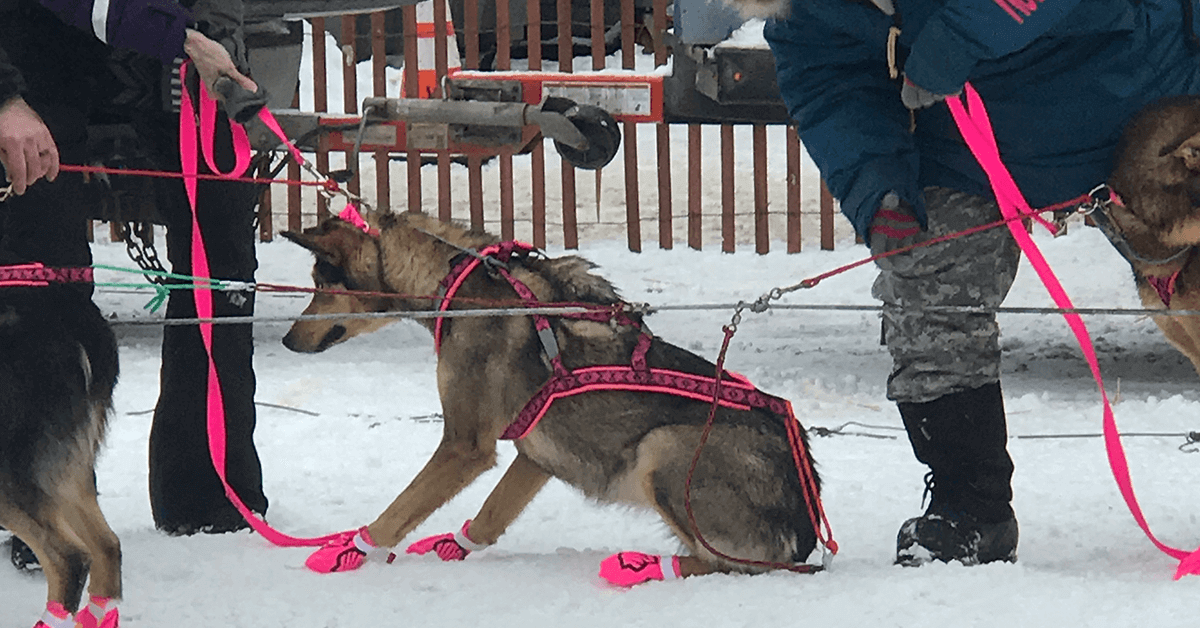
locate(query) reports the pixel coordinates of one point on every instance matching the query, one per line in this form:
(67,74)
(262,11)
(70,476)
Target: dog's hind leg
(521,482)
(64,561)
(453,466)
(87,522)
(743,501)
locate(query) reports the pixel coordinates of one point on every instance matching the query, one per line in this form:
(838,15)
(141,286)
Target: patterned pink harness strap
(735,391)
(501,252)
(37,274)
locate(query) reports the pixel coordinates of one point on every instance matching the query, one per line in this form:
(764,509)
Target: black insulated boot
(962,437)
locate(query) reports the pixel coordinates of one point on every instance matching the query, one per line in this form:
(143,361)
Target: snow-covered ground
(369,422)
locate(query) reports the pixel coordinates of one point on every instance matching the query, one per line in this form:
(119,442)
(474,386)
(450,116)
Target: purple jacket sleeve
(151,27)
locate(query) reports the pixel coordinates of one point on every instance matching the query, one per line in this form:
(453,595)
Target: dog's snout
(300,342)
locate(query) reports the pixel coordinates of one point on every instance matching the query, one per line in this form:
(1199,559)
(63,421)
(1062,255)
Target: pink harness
(637,376)
(976,129)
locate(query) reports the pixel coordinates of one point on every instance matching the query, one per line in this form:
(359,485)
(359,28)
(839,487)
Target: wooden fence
(709,198)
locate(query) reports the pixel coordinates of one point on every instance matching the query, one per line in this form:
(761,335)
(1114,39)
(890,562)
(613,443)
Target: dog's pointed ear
(1189,152)
(331,242)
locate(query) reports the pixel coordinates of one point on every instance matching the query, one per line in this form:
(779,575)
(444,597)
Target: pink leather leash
(976,128)
(189,157)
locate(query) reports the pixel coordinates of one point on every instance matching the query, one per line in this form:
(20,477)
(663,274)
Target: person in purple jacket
(864,82)
(65,62)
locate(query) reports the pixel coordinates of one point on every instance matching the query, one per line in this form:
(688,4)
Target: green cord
(161,291)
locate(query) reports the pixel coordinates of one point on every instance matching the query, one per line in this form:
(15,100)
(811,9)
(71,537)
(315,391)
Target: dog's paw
(347,552)
(55,617)
(626,569)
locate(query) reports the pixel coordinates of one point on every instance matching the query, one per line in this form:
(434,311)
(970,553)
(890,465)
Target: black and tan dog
(58,366)
(616,446)
(1154,218)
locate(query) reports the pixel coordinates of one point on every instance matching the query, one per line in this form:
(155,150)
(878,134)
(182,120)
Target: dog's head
(1157,172)
(347,263)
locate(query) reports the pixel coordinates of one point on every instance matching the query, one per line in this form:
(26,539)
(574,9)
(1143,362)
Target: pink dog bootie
(345,553)
(101,612)
(450,546)
(56,616)
(626,569)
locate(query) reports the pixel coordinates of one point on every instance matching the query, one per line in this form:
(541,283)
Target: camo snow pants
(935,353)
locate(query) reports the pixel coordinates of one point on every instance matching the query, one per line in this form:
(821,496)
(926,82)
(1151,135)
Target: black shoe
(22,557)
(949,536)
(223,521)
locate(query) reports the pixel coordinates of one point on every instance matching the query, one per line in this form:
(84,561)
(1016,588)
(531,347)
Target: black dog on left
(58,367)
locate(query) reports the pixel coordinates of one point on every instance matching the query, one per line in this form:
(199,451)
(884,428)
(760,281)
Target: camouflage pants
(938,353)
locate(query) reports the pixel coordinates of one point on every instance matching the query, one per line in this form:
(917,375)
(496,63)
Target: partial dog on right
(58,367)
(1154,217)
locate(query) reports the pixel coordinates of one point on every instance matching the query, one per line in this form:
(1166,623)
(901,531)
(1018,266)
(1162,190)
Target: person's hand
(916,97)
(212,61)
(895,226)
(27,149)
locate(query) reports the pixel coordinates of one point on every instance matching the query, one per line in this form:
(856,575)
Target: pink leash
(188,153)
(976,129)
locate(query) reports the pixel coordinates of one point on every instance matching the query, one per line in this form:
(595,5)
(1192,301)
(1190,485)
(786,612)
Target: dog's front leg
(521,482)
(454,465)
(516,489)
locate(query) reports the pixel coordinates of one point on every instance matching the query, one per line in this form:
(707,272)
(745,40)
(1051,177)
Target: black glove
(895,226)
(916,97)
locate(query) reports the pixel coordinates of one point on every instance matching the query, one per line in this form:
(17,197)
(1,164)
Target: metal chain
(143,253)
(760,305)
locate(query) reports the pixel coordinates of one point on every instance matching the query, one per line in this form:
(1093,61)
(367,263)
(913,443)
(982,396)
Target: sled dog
(616,446)
(1154,216)
(58,366)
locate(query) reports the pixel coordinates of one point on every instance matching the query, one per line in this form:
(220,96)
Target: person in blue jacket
(62,63)
(864,81)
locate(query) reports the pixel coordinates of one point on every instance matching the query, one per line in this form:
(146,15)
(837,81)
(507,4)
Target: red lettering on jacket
(1019,9)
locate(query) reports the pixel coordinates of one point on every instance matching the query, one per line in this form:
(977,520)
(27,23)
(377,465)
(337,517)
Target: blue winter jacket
(1060,78)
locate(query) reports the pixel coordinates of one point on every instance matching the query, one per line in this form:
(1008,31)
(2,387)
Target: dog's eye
(326,274)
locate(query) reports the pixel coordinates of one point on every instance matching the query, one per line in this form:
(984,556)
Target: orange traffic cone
(427,79)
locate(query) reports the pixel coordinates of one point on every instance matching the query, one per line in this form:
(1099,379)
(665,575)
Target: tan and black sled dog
(58,366)
(1153,218)
(616,446)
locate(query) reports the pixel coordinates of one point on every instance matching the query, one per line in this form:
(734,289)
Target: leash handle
(976,129)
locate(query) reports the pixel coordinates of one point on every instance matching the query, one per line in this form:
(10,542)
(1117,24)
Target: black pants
(186,494)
